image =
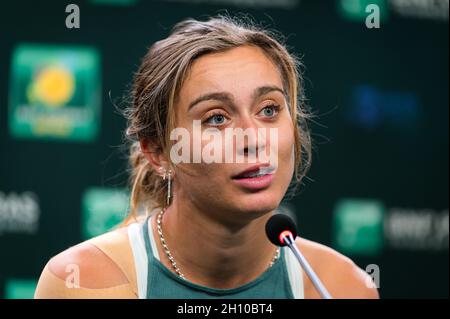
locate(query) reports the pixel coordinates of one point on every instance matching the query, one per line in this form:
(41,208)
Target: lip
(253,168)
(255,183)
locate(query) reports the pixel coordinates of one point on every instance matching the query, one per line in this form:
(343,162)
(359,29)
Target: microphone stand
(289,240)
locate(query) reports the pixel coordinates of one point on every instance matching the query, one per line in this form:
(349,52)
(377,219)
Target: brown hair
(161,75)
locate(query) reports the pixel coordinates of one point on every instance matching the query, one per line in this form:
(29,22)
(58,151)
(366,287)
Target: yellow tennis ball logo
(54,86)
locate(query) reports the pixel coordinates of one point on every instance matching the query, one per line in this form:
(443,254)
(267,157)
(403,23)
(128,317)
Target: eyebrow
(227,97)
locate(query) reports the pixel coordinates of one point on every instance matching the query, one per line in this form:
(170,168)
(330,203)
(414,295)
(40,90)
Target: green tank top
(281,281)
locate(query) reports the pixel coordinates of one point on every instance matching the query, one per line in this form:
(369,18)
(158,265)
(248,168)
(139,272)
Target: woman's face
(238,75)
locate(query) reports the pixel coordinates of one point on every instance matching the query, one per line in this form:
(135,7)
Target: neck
(213,253)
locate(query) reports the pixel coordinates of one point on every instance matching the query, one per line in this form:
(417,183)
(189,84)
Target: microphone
(281,231)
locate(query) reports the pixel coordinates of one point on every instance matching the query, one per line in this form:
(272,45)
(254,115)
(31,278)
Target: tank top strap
(149,238)
(143,248)
(295,274)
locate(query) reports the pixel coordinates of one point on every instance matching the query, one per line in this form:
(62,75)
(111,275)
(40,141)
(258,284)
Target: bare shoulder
(340,275)
(95,268)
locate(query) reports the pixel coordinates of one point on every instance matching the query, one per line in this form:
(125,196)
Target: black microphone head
(277,224)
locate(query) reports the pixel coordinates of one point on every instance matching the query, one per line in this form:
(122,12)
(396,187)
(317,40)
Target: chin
(259,203)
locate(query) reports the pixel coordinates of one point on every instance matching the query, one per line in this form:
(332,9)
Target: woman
(197,228)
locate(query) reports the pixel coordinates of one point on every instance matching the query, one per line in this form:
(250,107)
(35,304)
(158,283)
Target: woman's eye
(216,119)
(270,110)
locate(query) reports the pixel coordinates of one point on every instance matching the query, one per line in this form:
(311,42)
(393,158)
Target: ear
(154,155)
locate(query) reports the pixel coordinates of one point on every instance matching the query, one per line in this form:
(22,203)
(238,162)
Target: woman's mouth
(255,179)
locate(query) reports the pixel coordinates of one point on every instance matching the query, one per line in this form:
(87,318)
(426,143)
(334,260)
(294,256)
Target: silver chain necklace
(172,260)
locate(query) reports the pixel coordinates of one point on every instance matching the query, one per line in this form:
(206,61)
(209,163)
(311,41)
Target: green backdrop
(378,187)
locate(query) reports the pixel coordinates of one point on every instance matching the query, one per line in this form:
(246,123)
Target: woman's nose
(250,138)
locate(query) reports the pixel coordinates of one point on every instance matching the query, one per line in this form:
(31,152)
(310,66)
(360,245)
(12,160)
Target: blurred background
(376,75)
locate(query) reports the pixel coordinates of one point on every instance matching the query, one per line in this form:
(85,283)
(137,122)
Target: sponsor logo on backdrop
(102,209)
(417,229)
(370,107)
(18,288)
(370,12)
(55,93)
(358,226)
(19,213)
(367,227)
(423,9)
(364,10)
